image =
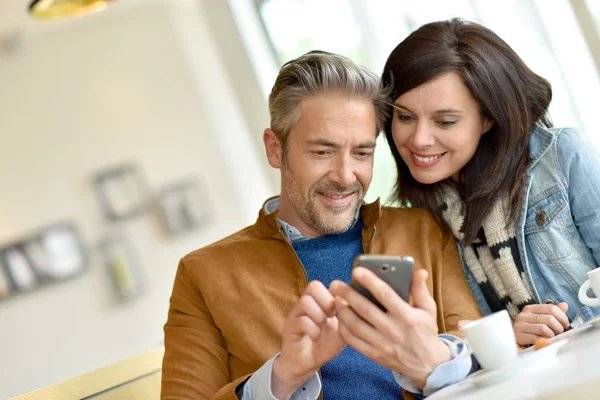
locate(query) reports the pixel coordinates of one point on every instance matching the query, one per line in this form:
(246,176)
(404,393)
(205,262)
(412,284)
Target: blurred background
(133,135)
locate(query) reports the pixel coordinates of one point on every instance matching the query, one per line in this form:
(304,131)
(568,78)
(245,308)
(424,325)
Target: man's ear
(487,125)
(273,149)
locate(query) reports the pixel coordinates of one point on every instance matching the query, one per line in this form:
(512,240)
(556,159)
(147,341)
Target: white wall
(140,83)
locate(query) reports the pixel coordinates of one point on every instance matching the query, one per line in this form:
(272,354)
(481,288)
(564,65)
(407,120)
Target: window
(298,26)
(594,7)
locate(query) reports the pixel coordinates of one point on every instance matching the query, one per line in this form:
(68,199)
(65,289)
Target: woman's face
(437,127)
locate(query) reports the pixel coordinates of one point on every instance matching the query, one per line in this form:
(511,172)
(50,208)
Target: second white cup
(593,282)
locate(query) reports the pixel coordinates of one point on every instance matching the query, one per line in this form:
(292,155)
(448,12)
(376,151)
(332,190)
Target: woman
(473,144)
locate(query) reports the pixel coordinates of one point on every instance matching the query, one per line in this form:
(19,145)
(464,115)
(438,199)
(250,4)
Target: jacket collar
(540,141)
(371,213)
(267,225)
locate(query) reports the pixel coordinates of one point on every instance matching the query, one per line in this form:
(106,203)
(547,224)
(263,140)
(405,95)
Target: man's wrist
(440,353)
(285,380)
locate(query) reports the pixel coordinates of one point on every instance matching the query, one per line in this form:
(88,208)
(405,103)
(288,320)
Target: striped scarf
(493,258)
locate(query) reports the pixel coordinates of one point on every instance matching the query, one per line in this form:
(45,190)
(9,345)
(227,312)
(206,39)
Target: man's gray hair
(321,72)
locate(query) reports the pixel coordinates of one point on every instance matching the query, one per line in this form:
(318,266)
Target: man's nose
(343,173)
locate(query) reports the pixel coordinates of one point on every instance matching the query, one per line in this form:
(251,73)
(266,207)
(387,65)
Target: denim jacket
(558,229)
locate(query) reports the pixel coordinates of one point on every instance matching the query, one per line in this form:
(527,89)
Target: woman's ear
(487,125)
(273,148)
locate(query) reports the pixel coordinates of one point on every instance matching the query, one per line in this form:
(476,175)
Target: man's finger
(383,292)
(361,306)
(358,344)
(356,325)
(322,297)
(304,325)
(420,294)
(307,306)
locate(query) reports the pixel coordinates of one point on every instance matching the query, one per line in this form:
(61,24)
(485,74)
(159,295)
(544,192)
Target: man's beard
(308,211)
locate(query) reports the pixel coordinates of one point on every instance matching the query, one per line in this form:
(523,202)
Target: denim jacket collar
(540,142)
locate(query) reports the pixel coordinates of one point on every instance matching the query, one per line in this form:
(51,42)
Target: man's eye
(321,152)
(365,154)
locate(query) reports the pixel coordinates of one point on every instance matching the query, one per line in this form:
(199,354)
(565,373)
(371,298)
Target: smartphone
(396,271)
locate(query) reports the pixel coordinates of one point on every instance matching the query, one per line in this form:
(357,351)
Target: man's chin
(337,222)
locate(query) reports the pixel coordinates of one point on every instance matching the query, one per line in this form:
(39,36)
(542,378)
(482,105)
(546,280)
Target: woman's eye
(404,117)
(447,123)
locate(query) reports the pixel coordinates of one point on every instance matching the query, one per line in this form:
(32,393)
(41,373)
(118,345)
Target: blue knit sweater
(350,375)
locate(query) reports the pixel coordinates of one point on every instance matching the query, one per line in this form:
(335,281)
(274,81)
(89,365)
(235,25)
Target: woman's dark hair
(508,93)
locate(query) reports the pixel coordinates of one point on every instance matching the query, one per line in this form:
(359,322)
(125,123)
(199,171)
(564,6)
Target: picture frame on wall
(122,264)
(54,253)
(184,206)
(19,272)
(122,192)
(5,287)
(58,252)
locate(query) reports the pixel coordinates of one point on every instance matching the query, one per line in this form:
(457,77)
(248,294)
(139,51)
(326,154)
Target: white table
(576,375)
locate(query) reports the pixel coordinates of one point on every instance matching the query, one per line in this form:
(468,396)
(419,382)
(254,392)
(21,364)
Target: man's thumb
(420,294)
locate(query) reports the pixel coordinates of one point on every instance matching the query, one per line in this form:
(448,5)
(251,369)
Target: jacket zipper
(372,239)
(287,241)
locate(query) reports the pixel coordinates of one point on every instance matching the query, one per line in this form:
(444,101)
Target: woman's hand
(540,321)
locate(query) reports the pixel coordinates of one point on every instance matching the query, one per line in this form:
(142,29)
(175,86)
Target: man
(244,321)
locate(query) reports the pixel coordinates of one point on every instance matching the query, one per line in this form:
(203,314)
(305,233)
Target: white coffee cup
(491,339)
(594,282)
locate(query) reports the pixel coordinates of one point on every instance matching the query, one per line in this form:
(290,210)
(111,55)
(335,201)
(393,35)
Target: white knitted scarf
(493,258)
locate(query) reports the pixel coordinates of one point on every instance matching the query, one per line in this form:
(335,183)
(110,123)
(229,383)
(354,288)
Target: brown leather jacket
(231,298)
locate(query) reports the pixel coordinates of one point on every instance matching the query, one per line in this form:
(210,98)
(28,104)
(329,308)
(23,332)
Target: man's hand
(540,321)
(310,339)
(403,339)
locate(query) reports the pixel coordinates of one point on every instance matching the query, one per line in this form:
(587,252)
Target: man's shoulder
(224,247)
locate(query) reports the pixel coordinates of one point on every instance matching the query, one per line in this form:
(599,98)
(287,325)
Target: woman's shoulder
(556,144)
(561,155)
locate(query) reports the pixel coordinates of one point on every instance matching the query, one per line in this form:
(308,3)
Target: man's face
(328,164)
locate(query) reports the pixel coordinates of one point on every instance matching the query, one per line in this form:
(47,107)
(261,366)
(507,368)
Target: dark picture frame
(122,192)
(18,271)
(54,253)
(184,206)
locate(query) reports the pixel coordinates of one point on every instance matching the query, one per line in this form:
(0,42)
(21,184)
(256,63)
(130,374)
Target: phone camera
(384,268)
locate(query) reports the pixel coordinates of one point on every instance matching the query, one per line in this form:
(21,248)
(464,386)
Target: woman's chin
(428,179)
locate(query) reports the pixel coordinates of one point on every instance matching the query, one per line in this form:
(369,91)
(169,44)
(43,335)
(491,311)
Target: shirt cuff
(443,375)
(258,387)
